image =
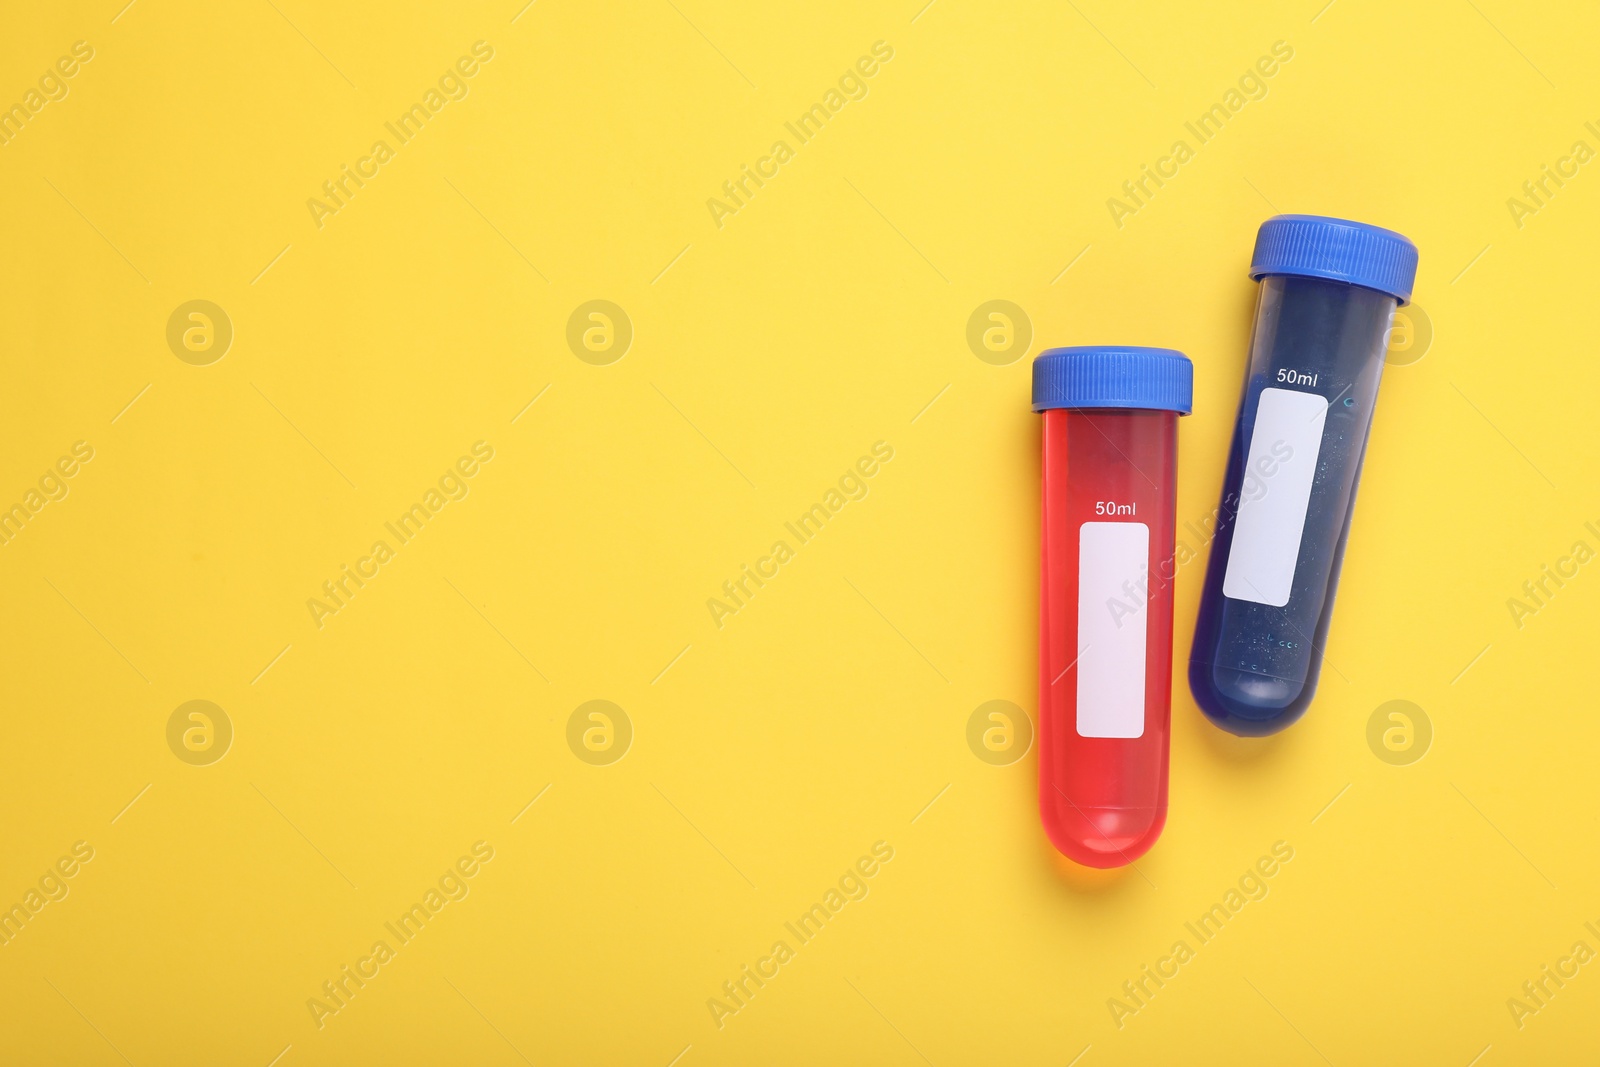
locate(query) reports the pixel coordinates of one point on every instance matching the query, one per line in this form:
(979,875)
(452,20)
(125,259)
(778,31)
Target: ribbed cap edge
(1339,250)
(1113,376)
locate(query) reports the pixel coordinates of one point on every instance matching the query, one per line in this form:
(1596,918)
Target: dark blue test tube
(1329,289)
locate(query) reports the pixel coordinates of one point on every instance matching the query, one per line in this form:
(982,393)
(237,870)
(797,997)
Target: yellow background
(768,355)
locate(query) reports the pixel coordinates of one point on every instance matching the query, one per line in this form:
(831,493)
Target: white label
(1113,560)
(1279,469)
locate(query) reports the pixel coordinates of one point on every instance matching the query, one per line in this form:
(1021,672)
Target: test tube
(1109,485)
(1329,289)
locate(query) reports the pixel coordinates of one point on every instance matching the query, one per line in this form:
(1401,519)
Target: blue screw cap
(1313,246)
(1113,376)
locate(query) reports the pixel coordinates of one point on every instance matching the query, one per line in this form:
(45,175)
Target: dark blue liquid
(1253,667)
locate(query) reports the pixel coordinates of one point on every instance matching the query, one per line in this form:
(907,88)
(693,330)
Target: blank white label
(1113,560)
(1279,469)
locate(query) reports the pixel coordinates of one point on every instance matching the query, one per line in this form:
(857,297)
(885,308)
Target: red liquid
(1104,799)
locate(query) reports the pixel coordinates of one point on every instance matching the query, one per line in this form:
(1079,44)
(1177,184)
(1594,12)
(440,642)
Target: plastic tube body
(1315,360)
(1105,657)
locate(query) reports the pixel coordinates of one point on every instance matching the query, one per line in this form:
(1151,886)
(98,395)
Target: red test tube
(1109,479)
